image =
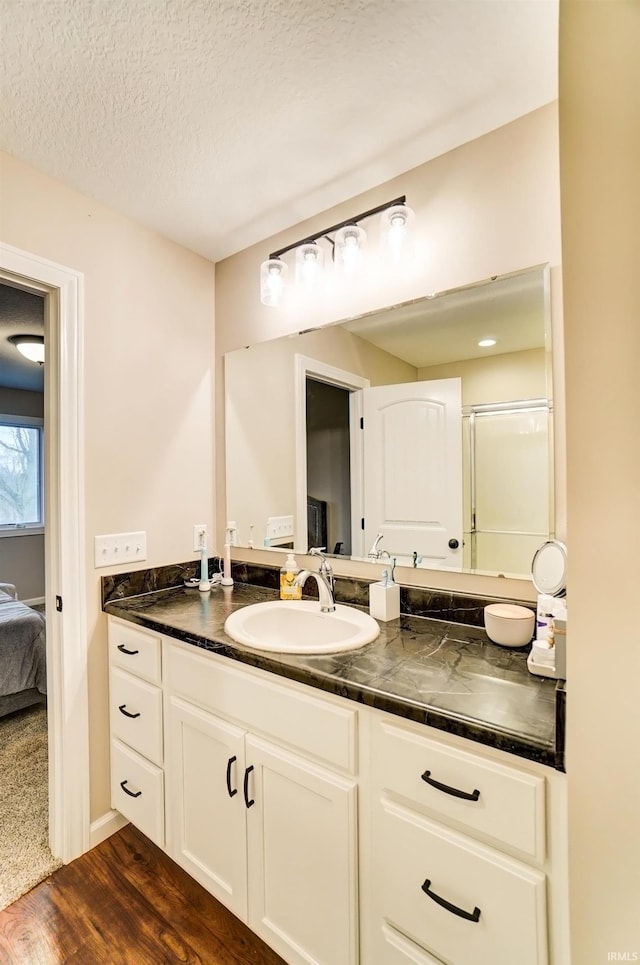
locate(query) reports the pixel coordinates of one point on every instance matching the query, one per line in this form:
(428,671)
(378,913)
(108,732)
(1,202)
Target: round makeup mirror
(549,568)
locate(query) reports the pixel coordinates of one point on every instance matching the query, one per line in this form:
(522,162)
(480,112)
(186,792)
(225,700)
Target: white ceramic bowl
(508,624)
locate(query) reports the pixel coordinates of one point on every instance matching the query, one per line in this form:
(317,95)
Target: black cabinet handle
(127,791)
(454,791)
(460,912)
(231,791)
(123,649)
(126,713)
(249,803)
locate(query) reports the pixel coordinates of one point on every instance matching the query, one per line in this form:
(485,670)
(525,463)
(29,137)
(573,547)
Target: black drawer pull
(129,653)
(460,912)
(450,790)
(231,791)
(249,803)
(127,791)
(126,713)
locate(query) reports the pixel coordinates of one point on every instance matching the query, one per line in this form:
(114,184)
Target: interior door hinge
(362,523)
(59,604)
(362,422)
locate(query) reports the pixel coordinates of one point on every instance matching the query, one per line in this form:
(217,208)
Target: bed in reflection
(23,673)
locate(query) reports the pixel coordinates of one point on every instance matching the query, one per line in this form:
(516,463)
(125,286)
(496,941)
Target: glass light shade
(31,346)
(350,241)
(309,262)
(395,232)
(272,279)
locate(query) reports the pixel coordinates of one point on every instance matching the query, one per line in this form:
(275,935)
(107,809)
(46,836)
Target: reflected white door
(413,471)
(511,487)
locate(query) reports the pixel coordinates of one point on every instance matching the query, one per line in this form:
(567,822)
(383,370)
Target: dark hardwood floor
(125,903)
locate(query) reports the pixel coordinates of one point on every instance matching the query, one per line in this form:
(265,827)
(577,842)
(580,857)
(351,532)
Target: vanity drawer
(508,898)
(137,791)
(135,650)
(502,802)
(135,708)
(285,713)
(398,950)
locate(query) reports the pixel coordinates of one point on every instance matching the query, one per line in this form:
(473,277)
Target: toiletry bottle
(544,617)
(288,574)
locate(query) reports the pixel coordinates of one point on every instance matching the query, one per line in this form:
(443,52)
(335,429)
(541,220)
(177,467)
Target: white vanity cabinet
(340,834)
(459,862)
(262,803)
(136,719)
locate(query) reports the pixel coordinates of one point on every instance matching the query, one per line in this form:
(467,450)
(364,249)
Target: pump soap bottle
(288,573)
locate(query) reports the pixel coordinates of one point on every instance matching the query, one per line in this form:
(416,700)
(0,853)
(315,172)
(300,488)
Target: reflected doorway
(328,467)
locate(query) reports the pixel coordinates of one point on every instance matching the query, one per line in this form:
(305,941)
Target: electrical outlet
(199,530)
(119,548)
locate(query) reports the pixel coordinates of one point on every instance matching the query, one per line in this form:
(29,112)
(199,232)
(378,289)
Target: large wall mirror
(422,432)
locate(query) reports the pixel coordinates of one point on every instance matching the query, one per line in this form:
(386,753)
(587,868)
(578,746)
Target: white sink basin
(299,626)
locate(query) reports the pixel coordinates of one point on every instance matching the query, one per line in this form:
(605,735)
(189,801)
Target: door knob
(453,544)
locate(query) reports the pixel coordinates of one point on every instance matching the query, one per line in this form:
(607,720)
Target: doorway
(65,594)
(313,371)
(328,467)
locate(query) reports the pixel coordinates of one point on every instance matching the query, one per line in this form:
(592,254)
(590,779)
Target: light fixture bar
(309,239)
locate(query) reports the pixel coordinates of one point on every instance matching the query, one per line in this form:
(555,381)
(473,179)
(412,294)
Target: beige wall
(22,563)
(148,456)
(600,161)
(22,557)
(498,378)
(489,207)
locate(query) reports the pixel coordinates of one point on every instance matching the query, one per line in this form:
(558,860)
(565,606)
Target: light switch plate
(119,548)
(279,527)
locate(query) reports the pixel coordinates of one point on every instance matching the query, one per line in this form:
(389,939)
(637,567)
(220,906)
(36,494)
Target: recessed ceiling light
(486,342)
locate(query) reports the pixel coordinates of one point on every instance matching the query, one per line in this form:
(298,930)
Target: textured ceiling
(221,122)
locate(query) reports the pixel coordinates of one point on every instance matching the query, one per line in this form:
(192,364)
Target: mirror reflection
(419,433)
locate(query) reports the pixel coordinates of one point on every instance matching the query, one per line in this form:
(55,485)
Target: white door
(206,802)
(511,487)
(302,858)
(413,471)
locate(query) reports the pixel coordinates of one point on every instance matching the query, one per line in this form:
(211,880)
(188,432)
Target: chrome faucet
(323,577)
(374,552)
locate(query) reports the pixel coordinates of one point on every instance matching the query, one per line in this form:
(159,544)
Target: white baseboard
(105,826)
(34,601)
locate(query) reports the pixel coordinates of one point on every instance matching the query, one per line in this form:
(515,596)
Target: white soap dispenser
(384,597)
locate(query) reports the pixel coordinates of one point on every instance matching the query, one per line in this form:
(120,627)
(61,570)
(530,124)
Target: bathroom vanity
(402,803)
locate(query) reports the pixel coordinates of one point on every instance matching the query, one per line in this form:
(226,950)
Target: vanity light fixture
(31,346)
(350,242)
(486,342)
(272,275)
(347,240)
(309,262)
(395,232)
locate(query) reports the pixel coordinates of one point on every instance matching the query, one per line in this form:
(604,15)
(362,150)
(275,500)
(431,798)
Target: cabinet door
(207,812)
(302,857)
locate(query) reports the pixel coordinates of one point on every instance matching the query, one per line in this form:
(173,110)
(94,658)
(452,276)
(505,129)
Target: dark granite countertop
(442,674)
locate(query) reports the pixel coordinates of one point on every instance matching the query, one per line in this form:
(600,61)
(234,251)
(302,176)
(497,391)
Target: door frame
(66,644)
(323,372)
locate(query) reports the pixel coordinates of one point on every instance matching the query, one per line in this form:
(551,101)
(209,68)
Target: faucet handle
(325,565)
